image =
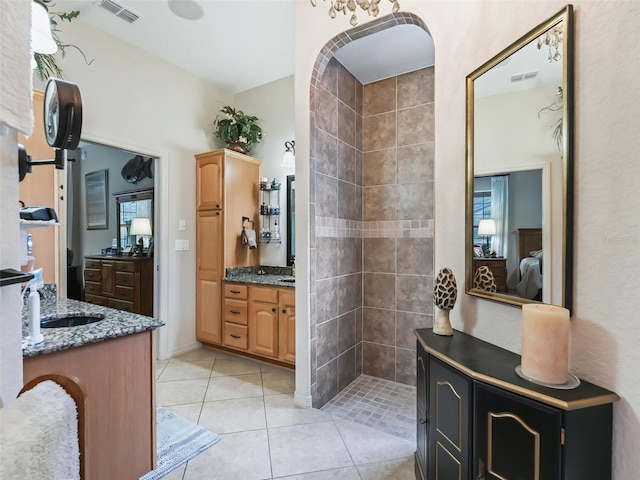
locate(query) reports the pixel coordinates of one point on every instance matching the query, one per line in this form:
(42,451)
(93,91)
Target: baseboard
(302,401)
(179,351)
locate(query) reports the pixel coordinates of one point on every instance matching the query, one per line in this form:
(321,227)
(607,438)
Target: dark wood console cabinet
(477,419)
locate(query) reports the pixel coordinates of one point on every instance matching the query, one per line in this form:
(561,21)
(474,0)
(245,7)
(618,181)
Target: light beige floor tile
(237,456)
(348,473)
(181,370)
(238,386)
(269,367)
(398,469)
(160,366)
(282,412)
(189,411)
(367,445)
(234,366)
(198,354)
(176,474)
(307,448)
(237,415)
(276,382)
(181,392)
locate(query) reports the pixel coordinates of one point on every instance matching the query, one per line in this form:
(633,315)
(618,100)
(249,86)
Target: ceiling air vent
(118,10)
(523,76)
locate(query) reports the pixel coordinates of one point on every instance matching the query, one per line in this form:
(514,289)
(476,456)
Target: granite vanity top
(116,323)
(262,275)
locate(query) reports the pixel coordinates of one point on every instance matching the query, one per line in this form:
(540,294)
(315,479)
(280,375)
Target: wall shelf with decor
(270,211)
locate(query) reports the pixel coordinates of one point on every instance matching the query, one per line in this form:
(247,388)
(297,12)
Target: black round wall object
(62,114)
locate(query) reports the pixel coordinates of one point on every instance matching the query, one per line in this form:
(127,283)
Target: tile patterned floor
(377,403)
(263,434)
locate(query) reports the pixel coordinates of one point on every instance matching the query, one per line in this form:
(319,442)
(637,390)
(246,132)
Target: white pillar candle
(545,343)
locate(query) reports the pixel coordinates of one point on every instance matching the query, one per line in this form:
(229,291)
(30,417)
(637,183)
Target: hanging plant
(558,124)
(46,65)
(238,130)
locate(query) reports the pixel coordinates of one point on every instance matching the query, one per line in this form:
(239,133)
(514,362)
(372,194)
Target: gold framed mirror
(519,174)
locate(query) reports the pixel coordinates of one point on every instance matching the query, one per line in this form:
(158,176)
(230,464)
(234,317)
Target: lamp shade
(41,38)
(487,226)
(140,226)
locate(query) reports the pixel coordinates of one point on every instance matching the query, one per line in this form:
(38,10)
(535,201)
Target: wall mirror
(135,222)
(291,219)
(519,177)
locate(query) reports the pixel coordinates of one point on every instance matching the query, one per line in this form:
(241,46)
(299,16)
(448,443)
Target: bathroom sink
(69,320)
(288,280)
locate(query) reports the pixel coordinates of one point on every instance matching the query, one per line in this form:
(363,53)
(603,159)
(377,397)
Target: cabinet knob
(217,206)
(273,309)
(235,336)
(284,310)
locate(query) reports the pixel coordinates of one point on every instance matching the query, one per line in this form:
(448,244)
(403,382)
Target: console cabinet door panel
(515,437)
(450,422)
(421,405)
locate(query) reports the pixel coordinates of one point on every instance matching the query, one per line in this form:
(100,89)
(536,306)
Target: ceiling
(241,44)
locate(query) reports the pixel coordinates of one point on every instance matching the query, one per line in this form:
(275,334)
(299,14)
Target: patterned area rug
(178,441)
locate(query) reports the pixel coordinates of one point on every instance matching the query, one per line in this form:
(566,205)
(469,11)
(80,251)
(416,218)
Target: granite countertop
(262,275)
(116,323)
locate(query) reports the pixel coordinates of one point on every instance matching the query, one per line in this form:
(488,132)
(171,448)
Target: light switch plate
(182,224)
(182,245)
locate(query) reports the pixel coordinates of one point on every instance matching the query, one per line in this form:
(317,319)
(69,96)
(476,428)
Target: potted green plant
(238,130)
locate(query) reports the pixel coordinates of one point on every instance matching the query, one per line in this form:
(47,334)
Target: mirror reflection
(518,169)
(135,222)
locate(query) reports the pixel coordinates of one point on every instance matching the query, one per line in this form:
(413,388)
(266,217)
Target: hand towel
(16,74)
(39,435)
(248,237)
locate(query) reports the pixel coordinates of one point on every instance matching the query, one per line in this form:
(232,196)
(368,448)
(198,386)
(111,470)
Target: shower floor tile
(377,403)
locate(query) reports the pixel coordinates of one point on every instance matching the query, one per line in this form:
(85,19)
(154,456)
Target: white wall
(273,104)
(605,322)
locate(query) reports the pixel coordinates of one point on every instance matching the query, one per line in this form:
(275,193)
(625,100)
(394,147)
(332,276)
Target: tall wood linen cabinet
(227,186)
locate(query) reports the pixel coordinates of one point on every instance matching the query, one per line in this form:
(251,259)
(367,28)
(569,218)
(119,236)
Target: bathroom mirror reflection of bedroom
(519,169)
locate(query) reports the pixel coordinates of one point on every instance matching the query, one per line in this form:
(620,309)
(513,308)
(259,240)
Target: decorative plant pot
(236,147)
(442,324)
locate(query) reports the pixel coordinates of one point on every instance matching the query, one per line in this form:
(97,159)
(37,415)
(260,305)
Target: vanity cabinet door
(422,413)
(515,437)
(209,182)
(450,402)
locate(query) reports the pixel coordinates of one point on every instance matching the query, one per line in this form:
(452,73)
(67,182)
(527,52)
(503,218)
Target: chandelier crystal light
(553,39)
(369,6)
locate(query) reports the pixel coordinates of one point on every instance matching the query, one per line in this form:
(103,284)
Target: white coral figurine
(445,293)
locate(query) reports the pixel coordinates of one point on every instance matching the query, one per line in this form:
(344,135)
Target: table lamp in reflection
(140,226)
(487,228)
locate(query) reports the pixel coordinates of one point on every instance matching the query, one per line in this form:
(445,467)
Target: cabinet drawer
(125,279)
(92,275)
(267,295)
(92,264)
(125,293)
(102,301)
(288,297)
(236,291)
(92,288)
(125,267)
(235,336)
(121,305)
(235,311)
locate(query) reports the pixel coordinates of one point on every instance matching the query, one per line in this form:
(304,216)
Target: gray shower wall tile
(358,203)
(415,201)
(346,87)
(359,167)
(326,257)
(379,132)
(346,368)
(326,299)
(348,253)
(314,363)
(313,316)
(346,200)
(359,97)
(359,125)
(379,203)
(346,124)
(406,323)
(346,331)
(329,78)
(326,196)
(415,125)
(379,290)
(349,292)
(414,293)
(415,256)
(415,88)
(405,366)
(379,255)
(379,360)
(379,326)
(359,325)
(326,112)
(326,154)
(359,359)
(346,163)
(327,341)
(379,167)
(415,163)
(379,97)
(327,383)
